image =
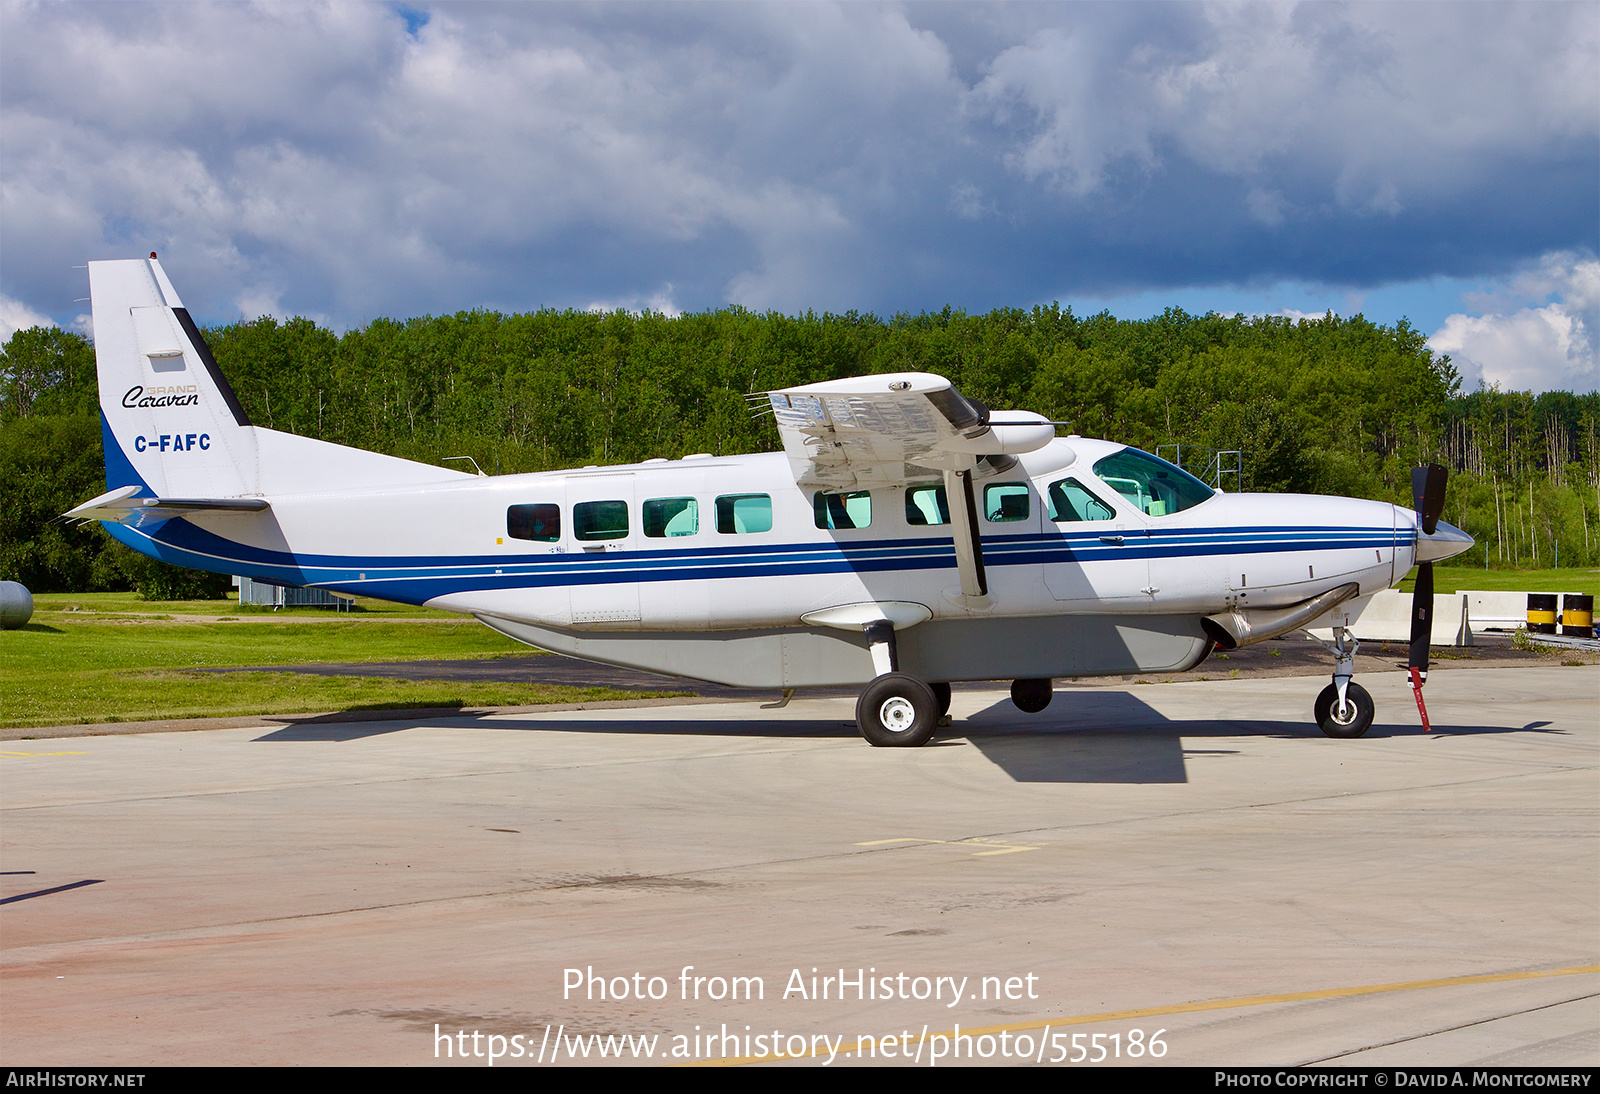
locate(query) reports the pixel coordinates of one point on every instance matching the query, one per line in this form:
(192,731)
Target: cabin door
(602,545)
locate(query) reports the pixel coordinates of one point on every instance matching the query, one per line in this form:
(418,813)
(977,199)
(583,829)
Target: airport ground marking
(1001,847)
(1178,1008)
(43,753)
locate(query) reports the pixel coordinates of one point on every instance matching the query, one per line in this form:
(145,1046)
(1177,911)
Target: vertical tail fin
(172,424)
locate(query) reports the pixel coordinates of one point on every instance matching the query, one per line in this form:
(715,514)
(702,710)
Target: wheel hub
(897,714)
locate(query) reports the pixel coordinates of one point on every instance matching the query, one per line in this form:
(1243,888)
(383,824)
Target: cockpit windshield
(1154,486)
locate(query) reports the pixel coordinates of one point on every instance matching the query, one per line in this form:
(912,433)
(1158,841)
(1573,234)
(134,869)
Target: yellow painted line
(1186,1008)
(1006,848)
(43,753)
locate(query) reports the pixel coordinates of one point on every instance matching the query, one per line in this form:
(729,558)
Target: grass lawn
(105,663)
(1452,579)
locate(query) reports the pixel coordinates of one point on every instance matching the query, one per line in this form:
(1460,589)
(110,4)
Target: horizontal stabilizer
(120,504)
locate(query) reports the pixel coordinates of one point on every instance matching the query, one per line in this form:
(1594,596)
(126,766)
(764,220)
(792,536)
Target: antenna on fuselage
(470,460)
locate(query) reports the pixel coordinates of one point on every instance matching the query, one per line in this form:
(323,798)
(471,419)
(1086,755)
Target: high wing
(895,429)
(120,504)
(899,428)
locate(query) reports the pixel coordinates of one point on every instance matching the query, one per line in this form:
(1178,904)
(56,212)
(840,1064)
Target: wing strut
(964,529)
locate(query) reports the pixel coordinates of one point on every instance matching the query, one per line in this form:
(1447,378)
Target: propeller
(1427,496)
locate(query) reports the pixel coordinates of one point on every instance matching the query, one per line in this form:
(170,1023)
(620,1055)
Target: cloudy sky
(1435,162)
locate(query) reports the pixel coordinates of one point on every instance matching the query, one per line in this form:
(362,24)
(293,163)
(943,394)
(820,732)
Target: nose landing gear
(1344,709)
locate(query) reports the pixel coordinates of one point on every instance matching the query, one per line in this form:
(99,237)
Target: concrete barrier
(1496,611)
(1386,617)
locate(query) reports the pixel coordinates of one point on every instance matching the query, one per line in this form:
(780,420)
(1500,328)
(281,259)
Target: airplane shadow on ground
(1088,736)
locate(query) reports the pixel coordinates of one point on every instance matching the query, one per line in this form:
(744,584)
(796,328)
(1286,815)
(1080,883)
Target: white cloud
(1367,107)
(258,300)
(1536,346)
(319,156)
(968,202)
(659,302)
(15,316)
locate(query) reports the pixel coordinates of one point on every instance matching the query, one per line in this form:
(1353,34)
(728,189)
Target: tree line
(1331,405)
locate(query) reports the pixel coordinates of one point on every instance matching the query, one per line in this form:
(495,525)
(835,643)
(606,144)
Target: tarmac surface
(1192,858)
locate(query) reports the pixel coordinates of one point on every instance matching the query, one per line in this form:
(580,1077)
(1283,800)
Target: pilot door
(1096,549)
(602,548)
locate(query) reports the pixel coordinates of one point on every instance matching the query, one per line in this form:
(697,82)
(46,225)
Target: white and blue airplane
(905,538)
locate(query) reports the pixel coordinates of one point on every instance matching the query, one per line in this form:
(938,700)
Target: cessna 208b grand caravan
(906,537)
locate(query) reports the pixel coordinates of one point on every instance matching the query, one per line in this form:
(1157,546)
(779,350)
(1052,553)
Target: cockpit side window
(1152,485)
(1071,501)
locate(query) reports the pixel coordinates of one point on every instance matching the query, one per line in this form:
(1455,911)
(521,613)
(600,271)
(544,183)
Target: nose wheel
(1351,718)
(1343,709)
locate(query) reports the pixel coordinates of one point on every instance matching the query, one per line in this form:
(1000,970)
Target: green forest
(1319,406)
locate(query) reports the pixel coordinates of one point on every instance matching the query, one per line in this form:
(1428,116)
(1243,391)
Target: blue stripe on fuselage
(416,579)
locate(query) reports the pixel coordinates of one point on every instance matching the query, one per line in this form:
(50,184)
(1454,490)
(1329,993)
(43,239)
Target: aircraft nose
(1447,541)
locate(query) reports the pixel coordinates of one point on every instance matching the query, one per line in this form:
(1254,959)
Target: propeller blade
(1427,494)
(1421,618)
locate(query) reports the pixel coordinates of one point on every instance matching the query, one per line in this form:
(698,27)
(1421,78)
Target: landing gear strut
(1344,709)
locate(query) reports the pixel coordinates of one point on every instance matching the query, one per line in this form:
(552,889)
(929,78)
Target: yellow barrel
(1577,615)
(1541,613)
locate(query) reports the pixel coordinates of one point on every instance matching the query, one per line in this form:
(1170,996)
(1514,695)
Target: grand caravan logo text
(180,395)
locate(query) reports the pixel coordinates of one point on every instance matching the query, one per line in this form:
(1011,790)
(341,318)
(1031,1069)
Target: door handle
(1110,539)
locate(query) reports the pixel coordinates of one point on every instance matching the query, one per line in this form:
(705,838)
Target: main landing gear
(897,710)
(1344,709)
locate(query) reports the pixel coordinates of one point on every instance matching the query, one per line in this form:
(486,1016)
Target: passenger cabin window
(540,523)
(741,513)
(1004,502)
(669,517)
(843,510)
(1156,487)
(600,520)
(1069,501)
(927,505)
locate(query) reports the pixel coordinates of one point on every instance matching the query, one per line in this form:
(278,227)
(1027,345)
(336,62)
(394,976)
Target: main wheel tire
(897,711)
(1031,696)
(1351,722)
(941,693)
